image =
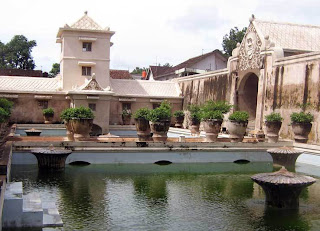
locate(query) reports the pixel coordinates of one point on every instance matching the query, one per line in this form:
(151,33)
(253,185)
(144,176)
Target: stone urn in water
(48,115)
(194,113)
(273,124)
(301,126)
(160,121)
(179,117)
(212,128)
(78,122)
(142,124)
(237,125)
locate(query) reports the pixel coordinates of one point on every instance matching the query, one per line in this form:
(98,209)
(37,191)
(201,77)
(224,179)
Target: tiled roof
(142,88)
(86,23)
(290,36)
(160,70)
(28,84)
(120,74)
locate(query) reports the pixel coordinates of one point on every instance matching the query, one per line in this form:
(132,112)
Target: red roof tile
(120,74)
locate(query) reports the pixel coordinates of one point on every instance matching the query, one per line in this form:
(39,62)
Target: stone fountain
(33,132)
(284,156)
(282,188)
(51,158)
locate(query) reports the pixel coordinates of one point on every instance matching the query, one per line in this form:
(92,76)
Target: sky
(148,32)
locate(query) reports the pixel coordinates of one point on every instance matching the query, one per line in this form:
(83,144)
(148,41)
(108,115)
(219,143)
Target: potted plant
(212,117)
(273,125)
(126,116)
(66,116)
(195,117)
(179,116)
(142,124)
(237,125)
(48,115)
(301,126)
(160,121)
(81,121)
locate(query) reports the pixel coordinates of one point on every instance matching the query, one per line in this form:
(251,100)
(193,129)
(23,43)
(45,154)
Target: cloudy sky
(147,31)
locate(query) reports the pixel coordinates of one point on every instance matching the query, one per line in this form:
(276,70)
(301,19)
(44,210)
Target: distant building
(120,74)
(211,61)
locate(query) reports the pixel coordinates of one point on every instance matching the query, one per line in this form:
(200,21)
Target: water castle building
(275,68)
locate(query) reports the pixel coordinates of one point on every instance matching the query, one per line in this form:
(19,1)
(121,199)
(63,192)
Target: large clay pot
(212,129)
(126,119)
(143,129)
(301,131)
(48,119)
(237,130)
(81,128)
(195,127)
(160,130)
(179,121)
(273,129)
(69,131)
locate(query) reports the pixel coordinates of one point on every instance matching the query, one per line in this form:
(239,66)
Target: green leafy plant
(239,116)
(4,115)
(161,113)
(178,114)
(222,106)
(77,113)
(212,115)
(195,113)
(6,105)
(301,117)
(142,113)
(48,112)
(126,112)
(273,117)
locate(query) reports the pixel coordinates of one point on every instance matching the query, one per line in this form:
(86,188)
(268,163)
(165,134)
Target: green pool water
(217,196)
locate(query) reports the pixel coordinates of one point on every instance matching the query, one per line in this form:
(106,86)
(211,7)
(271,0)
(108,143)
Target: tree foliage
(16,54)
(55,70)
(230,40)
(138,70)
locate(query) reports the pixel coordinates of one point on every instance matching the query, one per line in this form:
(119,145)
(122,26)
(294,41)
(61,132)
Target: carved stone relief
(249,54)
(93,85)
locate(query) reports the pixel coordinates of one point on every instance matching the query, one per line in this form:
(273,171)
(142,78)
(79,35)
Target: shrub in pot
(301,126)
(48,115)
(179,116)
(212,121)
(126,116)
(160,121)
(195,117)
(142,124)
(66,116)
(237,125)
(273,125)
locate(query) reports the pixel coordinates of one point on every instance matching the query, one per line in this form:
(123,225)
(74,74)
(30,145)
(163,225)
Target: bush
(142,113)
(48,112)
(212,115)
(77,113)
(195,113)
(239,116)
(6,105)
(178,114)
(301,117)
(163,112)
(222,106)
(4,115)
(273,117)
(126,112)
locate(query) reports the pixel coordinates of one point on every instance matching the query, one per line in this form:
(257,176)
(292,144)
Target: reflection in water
(173,197)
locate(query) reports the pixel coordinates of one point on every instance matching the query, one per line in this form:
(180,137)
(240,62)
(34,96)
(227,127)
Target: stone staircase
(28,210)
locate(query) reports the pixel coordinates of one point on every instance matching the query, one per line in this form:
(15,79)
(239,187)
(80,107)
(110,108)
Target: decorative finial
(252,18)
(86,12)
(238,44)
(51,147)
(93,76)
(266,37)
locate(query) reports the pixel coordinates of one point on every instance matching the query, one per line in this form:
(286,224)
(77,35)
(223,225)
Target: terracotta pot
(48,119)
(212,129)
(301,131)
(195,127)
(126,119)
(81,128)
(143,129)
(160,130)
(237,130)
(179,121)
(273,129)
(70,135)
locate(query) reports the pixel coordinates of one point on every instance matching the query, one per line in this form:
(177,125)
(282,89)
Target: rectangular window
(92,106)
(43,104)
(155,105)
(126,106)
(86,46)
(86,71)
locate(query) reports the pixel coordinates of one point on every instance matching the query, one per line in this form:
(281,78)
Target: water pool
(215,196)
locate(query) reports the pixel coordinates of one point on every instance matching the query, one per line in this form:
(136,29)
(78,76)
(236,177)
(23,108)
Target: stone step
(32,210)
(51,216)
